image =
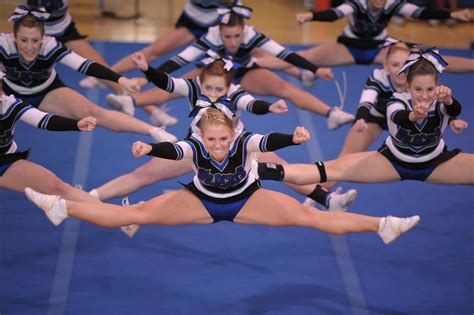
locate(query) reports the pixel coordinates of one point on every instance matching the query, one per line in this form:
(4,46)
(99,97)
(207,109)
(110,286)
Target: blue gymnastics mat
(79,268)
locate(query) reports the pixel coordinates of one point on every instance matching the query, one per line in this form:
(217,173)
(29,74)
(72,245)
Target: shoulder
(49,46)
(381,78)
(9,102)
(400,98)
(213,34)
(250,33)
(7,43)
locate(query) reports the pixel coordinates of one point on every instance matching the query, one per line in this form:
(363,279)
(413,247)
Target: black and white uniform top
(59,20)
(13,109)
(251,39)
(420,141)
(230,180)
(363,24)
(34,77)
(191,88)
(202,12)
(378,89)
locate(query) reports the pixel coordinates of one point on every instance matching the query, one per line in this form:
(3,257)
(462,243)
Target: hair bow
(239,9)
(224,104)
(213,56)
(430,54)
(390,41)
(22,10)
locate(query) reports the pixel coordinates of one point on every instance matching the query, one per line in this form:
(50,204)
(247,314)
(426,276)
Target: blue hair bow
(213,56)
(430,54)
(225,12)
(22,10)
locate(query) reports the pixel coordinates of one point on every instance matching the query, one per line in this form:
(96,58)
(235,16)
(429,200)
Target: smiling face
(394,62)
(214,86)
(232,37)
(422,89)
(376,5)
(217,138)
(29,41)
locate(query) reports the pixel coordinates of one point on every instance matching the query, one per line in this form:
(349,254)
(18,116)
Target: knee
(146,175)
(58,187)
(142,213)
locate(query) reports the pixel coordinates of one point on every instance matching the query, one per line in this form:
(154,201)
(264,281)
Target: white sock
(381,224)
(94,193)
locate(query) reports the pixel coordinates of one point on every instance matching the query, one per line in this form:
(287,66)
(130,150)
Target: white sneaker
(391,227)
(91,83)
(307,78)
(338,117)
(339,201)
(161,135)
(130,229)
(309,202)
(121,103)
(53,206)
(160,117)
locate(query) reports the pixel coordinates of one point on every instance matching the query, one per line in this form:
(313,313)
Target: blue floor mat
(79,268)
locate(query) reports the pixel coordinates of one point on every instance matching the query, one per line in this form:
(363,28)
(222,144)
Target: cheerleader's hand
(87,123)
(443,94)
(140,149)
(458,125)
(360,125)
(279,107)
(325,73)
(302,18)
(420,111)
(462,15)
(139,60)
(131,85)
(301,135)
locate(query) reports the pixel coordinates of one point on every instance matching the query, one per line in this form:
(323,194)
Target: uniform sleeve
(191,53)
(166,82)
(398,114)
(246,102)
(171,151)
(454,109)
(48,121)
(419,13)
(269,142)
(333,14)
(283,53)
(89,67)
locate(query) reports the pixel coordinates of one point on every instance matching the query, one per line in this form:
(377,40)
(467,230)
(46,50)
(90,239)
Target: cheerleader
(16,172)
(414,150)
(362,39)
(233,37)
(28,58)
(222,189)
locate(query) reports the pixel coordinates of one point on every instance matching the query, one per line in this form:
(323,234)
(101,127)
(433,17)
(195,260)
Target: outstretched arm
(52,122)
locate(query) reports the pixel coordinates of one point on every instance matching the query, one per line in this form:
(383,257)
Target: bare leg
(459,64)
(358,142)
(24,174)
(67,102)
(275,209)
(173,208)
(364,167)
(272,157)
(327,55)
(151,172)
(458,170)
(84,49)
(167,42)
(264,82)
